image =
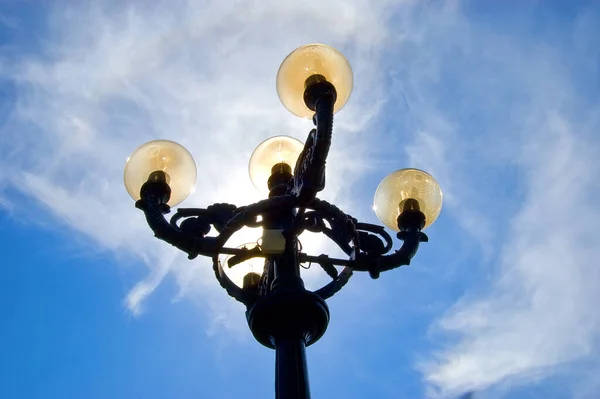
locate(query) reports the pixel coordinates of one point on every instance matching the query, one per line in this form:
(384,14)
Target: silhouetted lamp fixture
(314,81)
(246,273)
(407,190)
(275,152)
(161,161)
(310,64)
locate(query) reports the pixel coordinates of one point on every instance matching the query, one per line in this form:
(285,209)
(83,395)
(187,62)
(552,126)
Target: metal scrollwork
(368,246)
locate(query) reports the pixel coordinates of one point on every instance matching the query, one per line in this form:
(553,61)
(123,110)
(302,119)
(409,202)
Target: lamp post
(314,81)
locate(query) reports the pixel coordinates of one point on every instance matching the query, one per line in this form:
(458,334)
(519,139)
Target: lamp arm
(401,257)
(336,285)
(190,235)
(309,172)
(154,212)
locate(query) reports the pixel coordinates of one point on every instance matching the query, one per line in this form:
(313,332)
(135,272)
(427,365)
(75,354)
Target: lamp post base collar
(282,313)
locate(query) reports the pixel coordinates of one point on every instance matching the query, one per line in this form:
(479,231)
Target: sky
(498,100)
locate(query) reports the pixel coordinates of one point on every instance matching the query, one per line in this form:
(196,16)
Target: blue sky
(498,100)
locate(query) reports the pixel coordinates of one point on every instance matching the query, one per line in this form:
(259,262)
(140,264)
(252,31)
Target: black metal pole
(291,371)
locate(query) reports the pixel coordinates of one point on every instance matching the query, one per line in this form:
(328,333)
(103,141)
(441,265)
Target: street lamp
(314,81)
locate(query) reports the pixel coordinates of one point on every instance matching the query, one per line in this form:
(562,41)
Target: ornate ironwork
(368,246)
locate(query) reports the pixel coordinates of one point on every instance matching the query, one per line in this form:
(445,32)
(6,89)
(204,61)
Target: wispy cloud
(506,121)
(514,112)
(201,73)
(540,311)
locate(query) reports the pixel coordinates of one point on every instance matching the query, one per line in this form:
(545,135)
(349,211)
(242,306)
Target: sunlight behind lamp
(273,151)
(164,160)
(239,272)
(306,61)
(407,189)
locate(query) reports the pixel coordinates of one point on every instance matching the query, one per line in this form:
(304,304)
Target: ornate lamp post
(314,81)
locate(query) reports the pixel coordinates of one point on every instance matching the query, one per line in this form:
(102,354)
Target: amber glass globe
(273,151)
(308,60)
(166,156)
(395,189)
(237,273)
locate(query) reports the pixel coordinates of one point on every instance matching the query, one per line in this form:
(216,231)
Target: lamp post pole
(313,81)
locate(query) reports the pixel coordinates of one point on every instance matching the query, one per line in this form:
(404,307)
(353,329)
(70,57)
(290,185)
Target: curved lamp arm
(154,212)
(401,257)
(190,238)
(309,172)
(372,256)
(336,285)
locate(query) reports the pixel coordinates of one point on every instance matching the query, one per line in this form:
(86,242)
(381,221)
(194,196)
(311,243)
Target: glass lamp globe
(273,151)
(237,273)
(396,188)
(166,156)
(308,60)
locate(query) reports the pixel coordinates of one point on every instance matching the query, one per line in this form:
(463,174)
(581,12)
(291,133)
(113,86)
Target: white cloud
(481,109)
(198,72)
(512,112)
(540,312)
